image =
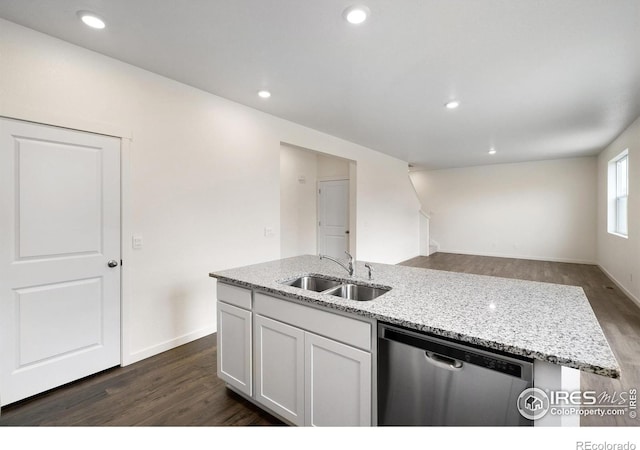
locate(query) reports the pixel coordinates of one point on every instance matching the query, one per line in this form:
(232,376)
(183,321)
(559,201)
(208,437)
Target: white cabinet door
(234,347)
(338,383)
(59,256)
(279,351)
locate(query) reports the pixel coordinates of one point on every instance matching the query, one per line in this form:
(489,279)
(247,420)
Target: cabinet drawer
(234,295)
(340,328)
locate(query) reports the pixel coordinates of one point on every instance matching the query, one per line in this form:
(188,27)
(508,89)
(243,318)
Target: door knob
(112,263)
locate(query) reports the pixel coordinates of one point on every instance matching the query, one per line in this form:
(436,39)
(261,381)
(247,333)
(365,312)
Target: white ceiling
(537,79)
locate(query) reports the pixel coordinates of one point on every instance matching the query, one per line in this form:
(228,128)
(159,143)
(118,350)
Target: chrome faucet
(348,267)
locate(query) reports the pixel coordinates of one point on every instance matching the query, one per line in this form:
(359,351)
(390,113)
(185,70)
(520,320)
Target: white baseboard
(620,286)
(532,258)
(167,345)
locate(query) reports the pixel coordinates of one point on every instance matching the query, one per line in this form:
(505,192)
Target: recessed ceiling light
(453,104)
(356,14)
(492,151)
(91,20)
(264,94)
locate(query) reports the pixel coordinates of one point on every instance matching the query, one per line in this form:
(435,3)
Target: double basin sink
(339,288)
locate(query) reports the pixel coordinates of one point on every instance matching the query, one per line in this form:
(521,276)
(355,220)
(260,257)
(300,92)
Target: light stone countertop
(544,321)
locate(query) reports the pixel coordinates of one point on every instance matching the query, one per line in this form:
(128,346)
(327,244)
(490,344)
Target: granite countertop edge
(588,367)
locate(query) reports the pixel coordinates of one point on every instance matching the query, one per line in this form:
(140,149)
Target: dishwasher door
(423,380)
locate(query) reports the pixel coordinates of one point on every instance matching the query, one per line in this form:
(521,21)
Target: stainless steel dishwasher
(424,380)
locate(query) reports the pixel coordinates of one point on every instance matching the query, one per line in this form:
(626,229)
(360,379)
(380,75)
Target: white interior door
(333,218)
(60,227)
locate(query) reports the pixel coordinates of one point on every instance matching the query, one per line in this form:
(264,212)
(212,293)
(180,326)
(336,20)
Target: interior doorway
(59,256)
(333,218)
(303,172)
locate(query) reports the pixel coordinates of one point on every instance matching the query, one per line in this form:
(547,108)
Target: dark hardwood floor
(180,387)
(618,315)
(175,388)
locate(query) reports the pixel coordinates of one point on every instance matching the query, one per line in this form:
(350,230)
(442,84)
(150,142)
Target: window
(618,182)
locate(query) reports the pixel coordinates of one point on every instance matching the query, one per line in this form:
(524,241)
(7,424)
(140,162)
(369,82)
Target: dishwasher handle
(443,362)
(433,351)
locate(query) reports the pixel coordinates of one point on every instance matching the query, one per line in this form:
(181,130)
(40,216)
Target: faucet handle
(368,266)
(349,255)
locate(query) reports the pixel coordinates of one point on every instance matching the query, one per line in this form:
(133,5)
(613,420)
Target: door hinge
(319,223)
(121,263)
(319,191)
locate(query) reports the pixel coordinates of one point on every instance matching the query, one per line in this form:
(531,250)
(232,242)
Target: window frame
(618,195)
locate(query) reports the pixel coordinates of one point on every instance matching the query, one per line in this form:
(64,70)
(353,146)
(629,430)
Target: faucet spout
(349,267)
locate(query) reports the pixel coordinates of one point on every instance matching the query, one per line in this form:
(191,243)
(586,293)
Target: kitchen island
(553,325)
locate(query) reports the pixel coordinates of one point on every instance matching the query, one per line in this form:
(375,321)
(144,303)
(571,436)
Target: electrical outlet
(268,232)
(137,242)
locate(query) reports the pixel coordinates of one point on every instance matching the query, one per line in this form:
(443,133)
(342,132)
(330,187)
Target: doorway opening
(317,203)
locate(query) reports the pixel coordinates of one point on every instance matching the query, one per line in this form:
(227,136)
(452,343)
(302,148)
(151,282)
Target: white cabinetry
(307,365)
(235,337)
(338,383)
(279,353)
(306,378)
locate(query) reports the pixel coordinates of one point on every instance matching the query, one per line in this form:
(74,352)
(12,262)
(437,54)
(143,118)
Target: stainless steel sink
(313,283)
(358,292)
(337,287)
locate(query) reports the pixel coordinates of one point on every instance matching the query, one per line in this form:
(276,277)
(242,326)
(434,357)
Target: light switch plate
(137,242)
